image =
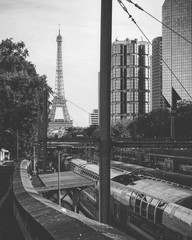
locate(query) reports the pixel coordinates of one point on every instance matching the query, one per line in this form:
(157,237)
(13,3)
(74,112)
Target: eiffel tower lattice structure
(62,122)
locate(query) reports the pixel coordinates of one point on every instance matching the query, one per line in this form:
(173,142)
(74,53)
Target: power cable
(77,106)
(79,126)
(140,8)
(132,19)
(73,103)
(74,120)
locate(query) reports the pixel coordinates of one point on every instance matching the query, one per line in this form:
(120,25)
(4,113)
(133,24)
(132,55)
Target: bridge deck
(68,180)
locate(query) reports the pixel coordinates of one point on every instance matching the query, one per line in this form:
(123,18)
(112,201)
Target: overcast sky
(36,23)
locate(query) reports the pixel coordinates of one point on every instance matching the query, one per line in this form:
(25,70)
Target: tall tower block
(59,115)
(176,51)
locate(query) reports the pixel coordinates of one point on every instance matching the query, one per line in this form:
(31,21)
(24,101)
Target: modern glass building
(177,52)
(157,99)
(129,79)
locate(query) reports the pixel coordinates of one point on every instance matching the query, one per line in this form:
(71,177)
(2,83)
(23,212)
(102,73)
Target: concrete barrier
(39,218)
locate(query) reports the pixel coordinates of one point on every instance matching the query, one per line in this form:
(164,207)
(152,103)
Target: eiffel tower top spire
(59,37)
(59,29)
(59,82)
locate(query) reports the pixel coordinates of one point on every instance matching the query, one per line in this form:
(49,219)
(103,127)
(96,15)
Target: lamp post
(59,148)
(9,130)
(35,157)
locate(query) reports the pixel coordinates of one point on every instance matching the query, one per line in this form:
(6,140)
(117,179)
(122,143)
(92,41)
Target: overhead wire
(72,103)
(133,20)
(77,107)
(79,126)
(80,109)
(140,8)
(74,120)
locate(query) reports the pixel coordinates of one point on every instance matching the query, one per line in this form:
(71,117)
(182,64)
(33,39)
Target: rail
(124,142)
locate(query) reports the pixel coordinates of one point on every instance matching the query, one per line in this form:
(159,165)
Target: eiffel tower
(59,106)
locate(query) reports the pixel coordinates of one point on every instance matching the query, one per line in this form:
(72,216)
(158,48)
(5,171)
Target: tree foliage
(156,124)
(21,95)
(184,120)
(121,129)
(91,131)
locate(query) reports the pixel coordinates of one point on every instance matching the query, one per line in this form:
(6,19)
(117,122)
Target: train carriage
(148,208)
(179,178)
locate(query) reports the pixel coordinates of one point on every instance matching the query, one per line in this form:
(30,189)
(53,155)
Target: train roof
(161,190)
(174,177)
(128,167)
(152,187)
(95,168)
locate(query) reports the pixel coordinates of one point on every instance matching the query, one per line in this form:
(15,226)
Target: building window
(116,211)
(144,205)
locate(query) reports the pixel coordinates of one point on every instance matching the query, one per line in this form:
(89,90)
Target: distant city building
(150,84)
(129,79)
(94,118)
(177,52)
(157,99)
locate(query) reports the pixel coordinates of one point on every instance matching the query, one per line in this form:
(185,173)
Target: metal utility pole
(16,135)
(17,139)
(45,131)
(59,191)
(34,160)
(35,151)
(59,149)
(104,111)
(172,124)
(173,111)
(39,137)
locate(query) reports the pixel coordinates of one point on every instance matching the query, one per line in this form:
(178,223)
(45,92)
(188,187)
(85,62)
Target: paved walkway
(9,229)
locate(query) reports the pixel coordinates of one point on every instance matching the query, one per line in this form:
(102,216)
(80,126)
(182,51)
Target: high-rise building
(129,79)
(177,52)
(94,118)
(59,116)
(157,99)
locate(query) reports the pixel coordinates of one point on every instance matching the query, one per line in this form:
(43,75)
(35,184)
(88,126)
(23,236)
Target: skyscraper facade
(177,52)
(157,99)
(129,79)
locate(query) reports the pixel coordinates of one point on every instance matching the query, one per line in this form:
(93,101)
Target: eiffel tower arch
(59,115)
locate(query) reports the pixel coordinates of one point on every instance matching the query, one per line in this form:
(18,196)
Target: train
(179,178)
(146,208)
(177,160)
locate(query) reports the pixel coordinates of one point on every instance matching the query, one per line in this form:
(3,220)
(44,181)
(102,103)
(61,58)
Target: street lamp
(35,157)
(9,130)
(59,148)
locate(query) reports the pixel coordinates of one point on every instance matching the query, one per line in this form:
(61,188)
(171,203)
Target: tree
(90,131)
(121,129)
(21,95)
(12,56)
(184,120)
(155,124)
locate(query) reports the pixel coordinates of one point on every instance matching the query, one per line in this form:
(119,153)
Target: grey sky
(36,23)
